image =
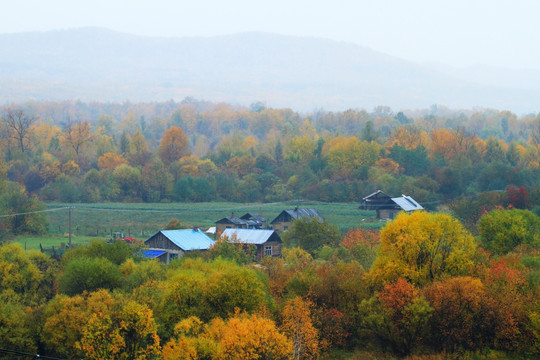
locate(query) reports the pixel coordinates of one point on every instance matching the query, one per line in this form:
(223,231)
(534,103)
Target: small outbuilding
(388,207)
(283,221)
(268,242)
(166,245)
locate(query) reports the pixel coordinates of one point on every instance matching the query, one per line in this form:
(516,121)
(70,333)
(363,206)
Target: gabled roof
(300,213)
(250,220)
(232,220)
(250,236)
(407,203)
(251,216)
(377,195)
(187,239)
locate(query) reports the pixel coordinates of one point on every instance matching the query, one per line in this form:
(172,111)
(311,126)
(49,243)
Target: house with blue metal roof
(167,245)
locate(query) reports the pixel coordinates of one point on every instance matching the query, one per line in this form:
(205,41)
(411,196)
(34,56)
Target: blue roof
(188,239)
(152,254)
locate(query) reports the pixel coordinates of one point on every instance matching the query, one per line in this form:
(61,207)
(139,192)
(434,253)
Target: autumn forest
(459,280)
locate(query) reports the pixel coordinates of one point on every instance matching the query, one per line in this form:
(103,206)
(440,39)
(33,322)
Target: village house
(283,221)
(247,221)
(268,242)
(388,207)
(166,245)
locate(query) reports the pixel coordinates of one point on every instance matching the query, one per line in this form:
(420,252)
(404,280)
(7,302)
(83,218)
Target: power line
(34,356)
(33,212)
(173,210)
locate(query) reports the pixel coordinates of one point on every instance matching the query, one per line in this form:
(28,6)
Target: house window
(285,227)
(268,250)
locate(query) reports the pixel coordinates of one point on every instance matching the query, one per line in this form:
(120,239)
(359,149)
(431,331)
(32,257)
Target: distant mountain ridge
(95,64)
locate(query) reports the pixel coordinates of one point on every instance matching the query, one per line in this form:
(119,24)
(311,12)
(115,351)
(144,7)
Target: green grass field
(141,220)
(48,241)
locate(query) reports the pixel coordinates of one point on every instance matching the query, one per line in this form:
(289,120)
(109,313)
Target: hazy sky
(455,32)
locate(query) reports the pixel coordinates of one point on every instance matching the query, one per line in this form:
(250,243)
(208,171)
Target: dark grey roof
(251,216)
(233,220)
(376,195)
(305,212)
(298,213)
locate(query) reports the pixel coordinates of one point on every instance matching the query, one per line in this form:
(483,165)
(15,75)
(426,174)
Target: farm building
(268,242)
(283,221)
(388,207)
(166,245)
(247,221)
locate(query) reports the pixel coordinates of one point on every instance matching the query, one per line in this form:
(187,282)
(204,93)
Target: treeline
(198,151)
(423,287)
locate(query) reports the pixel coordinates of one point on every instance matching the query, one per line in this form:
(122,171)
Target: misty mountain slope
(302,73)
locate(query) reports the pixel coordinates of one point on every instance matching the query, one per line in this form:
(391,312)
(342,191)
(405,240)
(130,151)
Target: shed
(177,242)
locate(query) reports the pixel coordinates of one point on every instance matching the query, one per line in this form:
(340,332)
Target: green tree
(15,330)
(398,315)
(128,179)
(15,200)
(310,234)
(502,230)
(28,274)
(88,274)
(208,290)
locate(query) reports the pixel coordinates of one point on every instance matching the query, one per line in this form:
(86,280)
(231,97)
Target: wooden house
(247,221)
(268,242)
(166,245)
(388,207)
(283,221)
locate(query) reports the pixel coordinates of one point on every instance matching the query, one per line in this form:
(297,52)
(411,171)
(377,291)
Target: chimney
(232,214)
(196,229)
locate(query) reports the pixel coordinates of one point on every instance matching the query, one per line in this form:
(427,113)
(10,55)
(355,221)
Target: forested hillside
(199,151)
(460,281)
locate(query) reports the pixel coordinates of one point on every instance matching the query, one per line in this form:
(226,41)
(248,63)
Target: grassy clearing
(48,241)
(141,220)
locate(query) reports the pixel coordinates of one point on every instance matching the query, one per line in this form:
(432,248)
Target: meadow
(140,220)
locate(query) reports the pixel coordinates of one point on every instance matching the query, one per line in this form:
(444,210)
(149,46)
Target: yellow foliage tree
(409,137)
(300,149)
(111,161)
(173,146)
(242,336)
(345,155)
(297,325)
(422,247)
(100,326)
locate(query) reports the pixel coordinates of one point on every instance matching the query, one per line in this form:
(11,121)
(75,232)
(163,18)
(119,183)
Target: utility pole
(69,226)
